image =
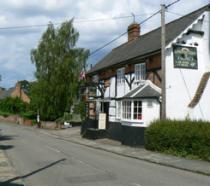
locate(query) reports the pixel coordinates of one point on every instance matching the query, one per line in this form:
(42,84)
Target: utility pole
(163,68)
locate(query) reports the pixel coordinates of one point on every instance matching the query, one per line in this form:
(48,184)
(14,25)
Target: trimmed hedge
(182,138)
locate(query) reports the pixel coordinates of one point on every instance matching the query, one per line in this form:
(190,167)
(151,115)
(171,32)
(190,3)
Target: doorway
(105,109)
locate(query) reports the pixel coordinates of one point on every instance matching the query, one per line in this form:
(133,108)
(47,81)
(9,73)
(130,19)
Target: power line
(171,4)
(107,19)
(77,21)
(108,43)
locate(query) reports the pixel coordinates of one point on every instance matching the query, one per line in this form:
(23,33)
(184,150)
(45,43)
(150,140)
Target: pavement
(7,172)
(73,135)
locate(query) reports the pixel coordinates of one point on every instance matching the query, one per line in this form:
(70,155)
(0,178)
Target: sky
(97,21)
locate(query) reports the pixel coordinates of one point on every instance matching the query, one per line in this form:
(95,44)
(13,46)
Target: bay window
(137,110)
(118,109)
(126,109)
(129,109)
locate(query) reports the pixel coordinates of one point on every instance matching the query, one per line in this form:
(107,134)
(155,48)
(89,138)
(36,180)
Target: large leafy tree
(58,64)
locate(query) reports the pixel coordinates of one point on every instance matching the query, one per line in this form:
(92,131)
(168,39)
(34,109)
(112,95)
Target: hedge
(183,138)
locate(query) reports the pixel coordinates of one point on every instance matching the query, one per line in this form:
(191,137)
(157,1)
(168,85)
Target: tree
(58,64)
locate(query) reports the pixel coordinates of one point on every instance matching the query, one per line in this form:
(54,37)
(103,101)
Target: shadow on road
(6,147)
(6,137)
(32,173)
(10,184)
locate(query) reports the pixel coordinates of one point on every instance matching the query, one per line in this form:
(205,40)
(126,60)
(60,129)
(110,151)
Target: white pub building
(127,81)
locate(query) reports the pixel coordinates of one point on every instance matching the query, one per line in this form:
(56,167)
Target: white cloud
(15,45)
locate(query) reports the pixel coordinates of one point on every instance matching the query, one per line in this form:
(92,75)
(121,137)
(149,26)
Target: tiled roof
(147,43)
(146,90)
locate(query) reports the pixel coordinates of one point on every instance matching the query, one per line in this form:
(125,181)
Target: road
(43,160)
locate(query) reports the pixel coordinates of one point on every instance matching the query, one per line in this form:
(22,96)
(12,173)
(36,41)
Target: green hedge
(183,138)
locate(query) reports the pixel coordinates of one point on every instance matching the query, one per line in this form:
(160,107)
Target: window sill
(132,121)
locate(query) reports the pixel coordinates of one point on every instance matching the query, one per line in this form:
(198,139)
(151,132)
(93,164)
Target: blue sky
(16,44)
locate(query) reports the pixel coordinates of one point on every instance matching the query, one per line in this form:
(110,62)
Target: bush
(13,105)
(29,115)
(80,110)
(5,114)
(183,138)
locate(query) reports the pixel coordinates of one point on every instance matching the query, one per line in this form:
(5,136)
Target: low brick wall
(49,125)
(11,118)
(25,122)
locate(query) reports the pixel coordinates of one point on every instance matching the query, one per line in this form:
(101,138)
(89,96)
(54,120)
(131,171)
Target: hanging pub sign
(185,57)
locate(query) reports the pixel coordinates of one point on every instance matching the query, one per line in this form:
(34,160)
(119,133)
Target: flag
(82,75)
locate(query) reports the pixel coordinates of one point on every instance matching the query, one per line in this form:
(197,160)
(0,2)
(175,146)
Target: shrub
(29,115)
(80,109)
(5,114)
(13,105)
(183,138)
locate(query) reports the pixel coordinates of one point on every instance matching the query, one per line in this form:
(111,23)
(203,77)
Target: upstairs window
(121,75)
(140,71)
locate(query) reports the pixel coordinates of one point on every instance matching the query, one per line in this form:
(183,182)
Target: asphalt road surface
(43,160)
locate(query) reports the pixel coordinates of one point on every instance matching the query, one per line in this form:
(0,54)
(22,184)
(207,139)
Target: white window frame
(140,71)
(118,109)
(137,110)
(128,111)
(121,75)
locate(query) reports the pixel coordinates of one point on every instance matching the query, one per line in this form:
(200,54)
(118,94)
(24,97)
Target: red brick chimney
(133,31)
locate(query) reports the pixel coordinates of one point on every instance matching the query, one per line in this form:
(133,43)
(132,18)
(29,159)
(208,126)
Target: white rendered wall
(181,84)
(150,113)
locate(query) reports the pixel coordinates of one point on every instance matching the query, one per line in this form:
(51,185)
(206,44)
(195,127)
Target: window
(121,75)
(118,109)
(126,109)
(137,110)
(140,71)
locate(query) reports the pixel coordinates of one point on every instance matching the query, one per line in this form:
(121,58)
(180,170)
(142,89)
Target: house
(128,80)
(16,91)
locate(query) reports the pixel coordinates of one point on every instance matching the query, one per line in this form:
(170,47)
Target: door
(105,109)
